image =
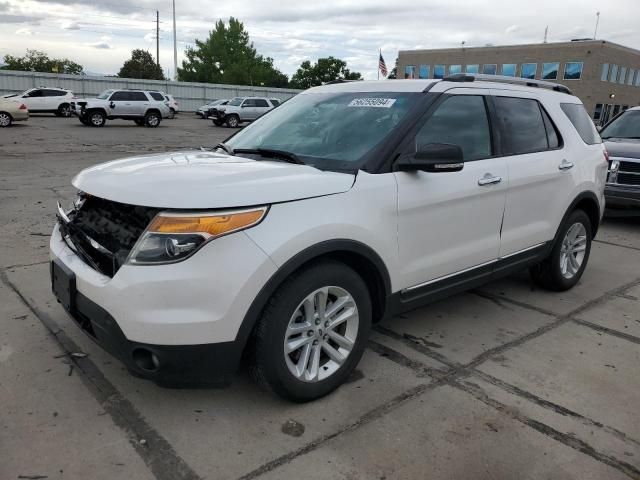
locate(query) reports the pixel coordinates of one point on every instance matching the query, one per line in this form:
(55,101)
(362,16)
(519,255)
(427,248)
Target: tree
(393,74)
(228,56)
(323,71)
(141,65)
(37,61)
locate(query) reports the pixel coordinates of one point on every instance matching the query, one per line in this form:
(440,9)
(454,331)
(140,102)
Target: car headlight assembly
(173,236)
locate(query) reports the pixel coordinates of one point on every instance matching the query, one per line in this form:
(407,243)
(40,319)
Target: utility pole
(158,38)
(597,21)
(175,47)
(546,33)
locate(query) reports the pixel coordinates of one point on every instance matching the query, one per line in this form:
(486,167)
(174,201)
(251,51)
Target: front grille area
(628,179)
(103,232)
(630,167)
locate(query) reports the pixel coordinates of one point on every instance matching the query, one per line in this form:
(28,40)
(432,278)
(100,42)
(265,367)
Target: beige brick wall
(590,89)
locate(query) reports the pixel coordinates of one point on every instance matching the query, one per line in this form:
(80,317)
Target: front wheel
(312,332)
(5,120)
(233,121)
(152,119)
(96,118)
(64,110)
(563,268)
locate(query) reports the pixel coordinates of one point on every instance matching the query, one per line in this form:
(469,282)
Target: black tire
(5,119)
(96,118)
(548,273)
(83,120)
(139,122)
(232,121)
(269,365)
(218,123)
(64,110)
(152,119)
(172,112)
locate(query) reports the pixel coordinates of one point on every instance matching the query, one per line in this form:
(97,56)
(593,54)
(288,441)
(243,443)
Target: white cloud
(100,45)
(70,25)
(511,29)
(24,31)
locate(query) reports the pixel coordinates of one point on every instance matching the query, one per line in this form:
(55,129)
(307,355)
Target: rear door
(449,222)
(262,107)
(138,103)
(541,175)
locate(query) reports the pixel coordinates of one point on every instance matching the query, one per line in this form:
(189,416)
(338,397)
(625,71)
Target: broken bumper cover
(174,324)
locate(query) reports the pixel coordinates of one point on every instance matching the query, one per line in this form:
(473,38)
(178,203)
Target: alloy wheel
(5,119)
(572,252)
(321,334)
(96,119)
(152,120)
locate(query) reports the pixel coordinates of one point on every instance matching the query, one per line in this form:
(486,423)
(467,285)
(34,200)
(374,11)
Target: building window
(623,75)
(453,69)
(409,71)
(528,70)
(509,69)
(597,113)
(550,71)
(472,68)
(423,72)
(616,110)
(490,69)
(438,71)
(613,74)
(631,77)
(572,71)
(624,107)
(605,72)
(637,82)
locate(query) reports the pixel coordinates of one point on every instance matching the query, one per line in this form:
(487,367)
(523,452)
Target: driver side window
(460,120)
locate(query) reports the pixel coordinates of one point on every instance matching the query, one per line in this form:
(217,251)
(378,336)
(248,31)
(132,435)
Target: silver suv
(243,109)
(144,107)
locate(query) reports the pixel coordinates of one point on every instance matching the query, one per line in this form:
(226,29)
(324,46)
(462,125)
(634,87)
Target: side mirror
(433,157)
(112,105)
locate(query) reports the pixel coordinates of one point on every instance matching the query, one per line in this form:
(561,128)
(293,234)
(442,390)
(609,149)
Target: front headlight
(172,237)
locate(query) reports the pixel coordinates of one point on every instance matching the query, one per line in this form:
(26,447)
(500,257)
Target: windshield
(104,95)
(328,130)
(236,102)
(626,125)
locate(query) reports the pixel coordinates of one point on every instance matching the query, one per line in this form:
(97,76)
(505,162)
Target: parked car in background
(144,107)
(349,204)
(12,110)
(46,100)
(205,110)
(243,109)
(172,103)
(622,140)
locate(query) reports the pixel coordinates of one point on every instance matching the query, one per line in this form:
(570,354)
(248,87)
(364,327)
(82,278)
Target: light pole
(597,21)
(175,47)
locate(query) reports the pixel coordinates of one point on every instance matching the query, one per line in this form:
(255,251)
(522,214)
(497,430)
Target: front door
(449,222)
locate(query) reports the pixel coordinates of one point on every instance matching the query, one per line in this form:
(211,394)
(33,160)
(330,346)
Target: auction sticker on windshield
(372,102)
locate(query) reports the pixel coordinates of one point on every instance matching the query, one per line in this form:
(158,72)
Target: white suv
(348,204)
(144,107)
(243,109)
(47,100)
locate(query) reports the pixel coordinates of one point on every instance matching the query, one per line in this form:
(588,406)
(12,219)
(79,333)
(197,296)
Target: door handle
(565,165)
(489,179)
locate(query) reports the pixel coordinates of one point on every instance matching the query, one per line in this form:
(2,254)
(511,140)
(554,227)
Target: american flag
(382,66)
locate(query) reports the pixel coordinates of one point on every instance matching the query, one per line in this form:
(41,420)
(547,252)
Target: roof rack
(465,77)
(340,80)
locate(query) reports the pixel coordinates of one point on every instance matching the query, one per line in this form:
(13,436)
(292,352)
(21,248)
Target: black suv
(622,139)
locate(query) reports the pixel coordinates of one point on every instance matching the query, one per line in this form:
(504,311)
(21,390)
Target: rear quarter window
(581,121)
(156,96)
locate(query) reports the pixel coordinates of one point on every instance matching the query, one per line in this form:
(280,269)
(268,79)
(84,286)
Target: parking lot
(507,381)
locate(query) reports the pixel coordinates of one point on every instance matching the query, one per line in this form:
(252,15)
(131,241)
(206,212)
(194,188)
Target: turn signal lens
(213,224)
(22,107)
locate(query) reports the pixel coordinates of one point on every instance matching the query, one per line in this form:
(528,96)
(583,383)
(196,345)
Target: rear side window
(522,124)
(459,120)
(261,103)
(275,102)
(553,137)
(138,97)
(156,96)
(582,122)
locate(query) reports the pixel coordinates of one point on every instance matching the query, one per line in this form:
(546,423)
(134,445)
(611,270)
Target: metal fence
(189,95)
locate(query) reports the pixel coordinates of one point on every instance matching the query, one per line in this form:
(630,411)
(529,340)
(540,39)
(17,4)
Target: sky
(100,34)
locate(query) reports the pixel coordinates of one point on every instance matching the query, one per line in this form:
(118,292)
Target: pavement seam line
(608,331)
(156,452)
(605,242)
(452,379)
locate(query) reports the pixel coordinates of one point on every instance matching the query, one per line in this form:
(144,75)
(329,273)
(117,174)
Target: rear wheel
(64,110)
(233,121)
(312,332)
(5,120)
(96,118)
(563,268)
(152,119)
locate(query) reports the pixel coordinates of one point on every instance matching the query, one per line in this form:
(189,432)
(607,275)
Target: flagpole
(379,53)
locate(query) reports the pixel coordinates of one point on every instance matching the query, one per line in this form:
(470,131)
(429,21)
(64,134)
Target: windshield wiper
(225,147)
(272,153)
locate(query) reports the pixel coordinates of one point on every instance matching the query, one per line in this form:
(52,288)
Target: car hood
(623,147)
(201,179)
